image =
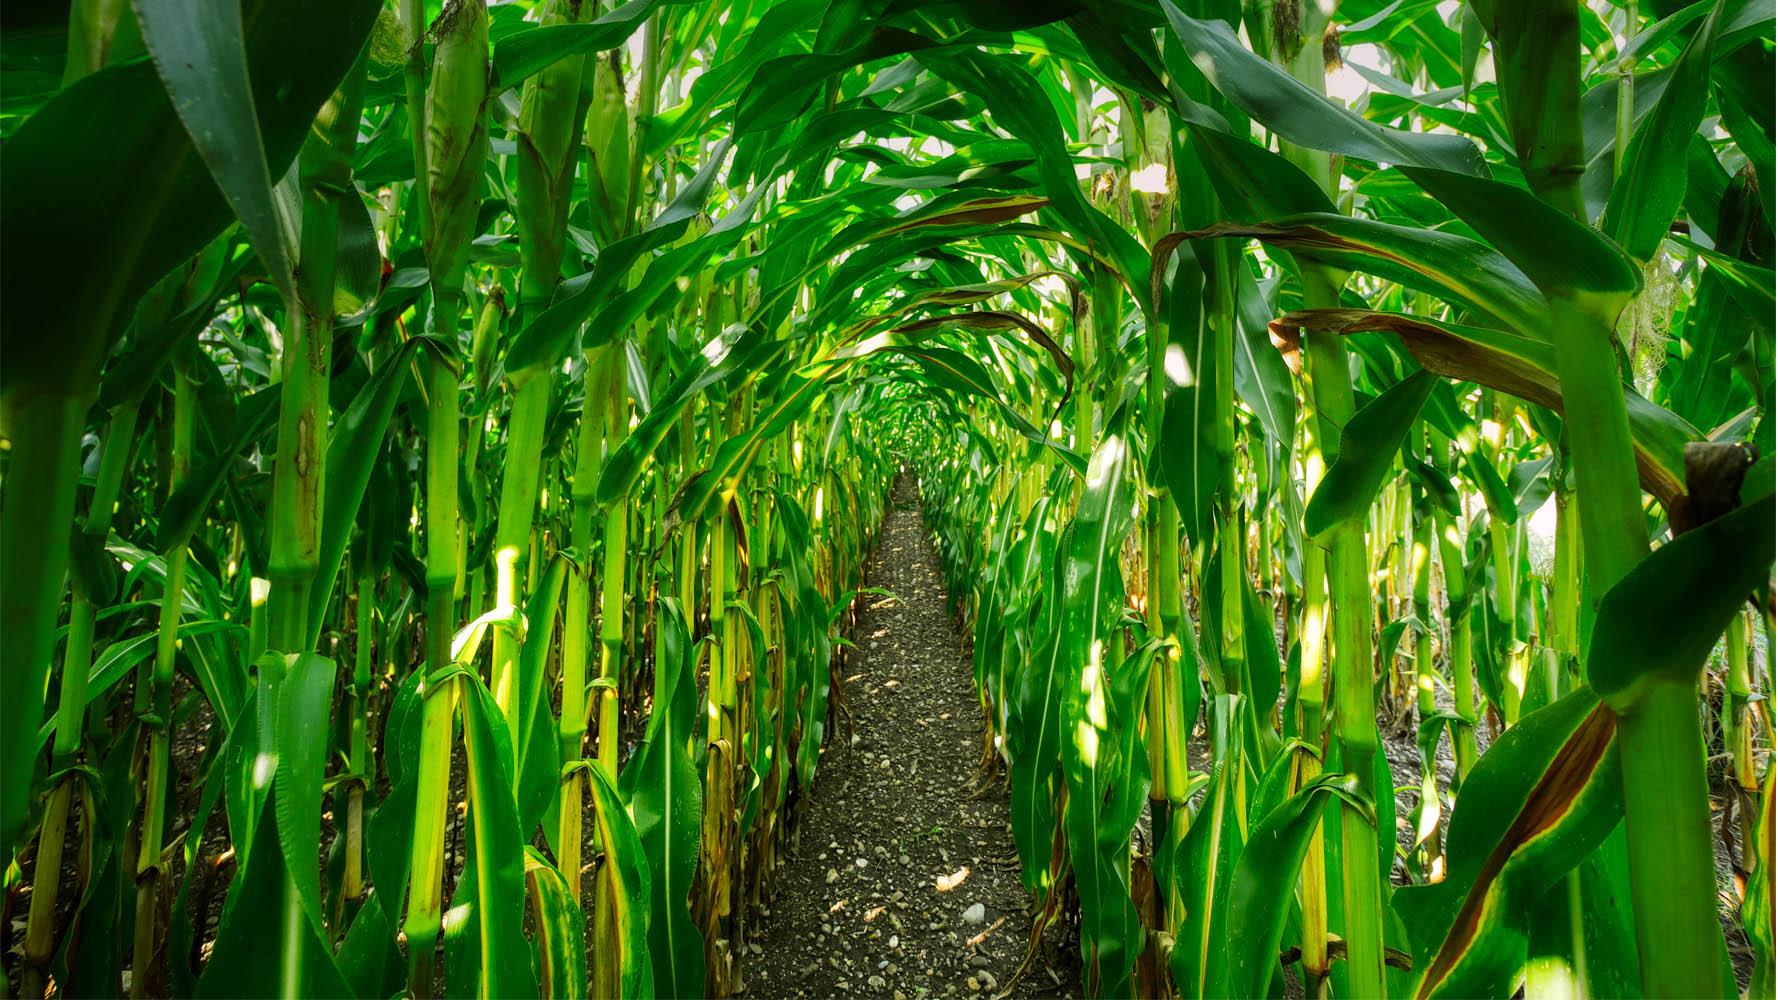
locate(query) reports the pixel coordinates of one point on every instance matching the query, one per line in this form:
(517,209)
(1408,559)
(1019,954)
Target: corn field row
(440,445)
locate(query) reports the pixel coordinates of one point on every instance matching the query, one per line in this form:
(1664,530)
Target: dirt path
(858,911)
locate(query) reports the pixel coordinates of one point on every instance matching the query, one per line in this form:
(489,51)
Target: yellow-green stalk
(1311,714)
(571,729)
(611,594)
(1349,592)
(433,769)
(114,462)
(1457,604)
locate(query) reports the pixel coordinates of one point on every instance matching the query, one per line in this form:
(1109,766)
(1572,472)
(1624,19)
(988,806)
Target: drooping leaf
(1288,107)
(523,54)
(1458,269)
(1527,369)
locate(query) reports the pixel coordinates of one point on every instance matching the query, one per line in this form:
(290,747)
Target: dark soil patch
(857,908)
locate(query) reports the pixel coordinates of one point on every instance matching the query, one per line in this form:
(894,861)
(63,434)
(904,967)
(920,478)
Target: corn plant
(453,434)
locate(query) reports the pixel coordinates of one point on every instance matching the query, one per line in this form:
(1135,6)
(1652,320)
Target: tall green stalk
(426,862)
(577,617)
(1660,740)
(1420,520)
(1459,643)
(297,478)
(156,714)
(36,497)
(1349,595)
(1311,716)
(616,563)
(611,637)
(299,474)
(512,534)
(114,463)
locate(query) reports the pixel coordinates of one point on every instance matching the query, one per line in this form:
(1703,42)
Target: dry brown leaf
(983,936)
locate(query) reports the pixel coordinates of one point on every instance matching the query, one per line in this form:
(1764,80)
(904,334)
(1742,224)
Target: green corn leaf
(113,175)
(94,138)
(523,54)
(627,886)
(535,742)
(352,454)
(725,81)
(132,372)
(302,758)
(549,336)
(1266,875)
(1368,444)
(782,88)
(1300,115)
(1543,798)
(367,959)
(560,940)
(259,950)
(1756,907)
(1527,369)
(180,929)
(390,830)
(1444,415)
(201,57)
(1096,703)
(1566,258)
(1013,96)
(666,799)
(485,948)
(703,369)
(1653,183)
(358,261)
(124,655)
(270,942)
(1462,271)
(1604,946)
(1252,183)
(189,503)
(1202,866)
(1262,379)
(754,750)
(667,270)
(1659,623)
(1034,745)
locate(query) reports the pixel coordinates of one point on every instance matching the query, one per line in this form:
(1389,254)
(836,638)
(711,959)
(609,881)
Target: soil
(898,804)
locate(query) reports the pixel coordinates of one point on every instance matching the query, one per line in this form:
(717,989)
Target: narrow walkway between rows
(903,885)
